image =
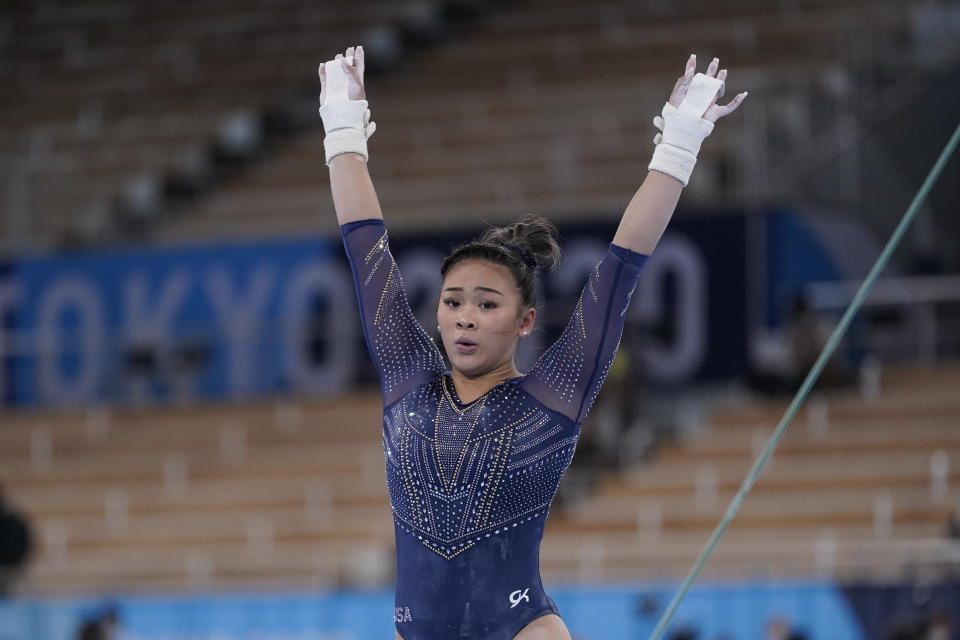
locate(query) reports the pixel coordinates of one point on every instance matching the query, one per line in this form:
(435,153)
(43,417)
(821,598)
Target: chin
(466,367)
(471,365)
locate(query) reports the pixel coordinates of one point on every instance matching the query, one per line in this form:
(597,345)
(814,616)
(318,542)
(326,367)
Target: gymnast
(473,448)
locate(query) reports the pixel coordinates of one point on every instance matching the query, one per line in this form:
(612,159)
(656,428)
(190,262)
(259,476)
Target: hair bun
(533,237)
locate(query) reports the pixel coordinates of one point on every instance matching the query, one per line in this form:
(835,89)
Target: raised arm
(401,350)
(568,375)
(652,206)
(347,123)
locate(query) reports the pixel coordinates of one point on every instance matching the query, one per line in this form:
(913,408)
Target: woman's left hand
(715,111)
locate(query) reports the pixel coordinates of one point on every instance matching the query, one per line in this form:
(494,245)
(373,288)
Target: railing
(927,328)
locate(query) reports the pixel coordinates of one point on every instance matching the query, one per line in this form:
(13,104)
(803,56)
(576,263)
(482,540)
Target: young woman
(474,450)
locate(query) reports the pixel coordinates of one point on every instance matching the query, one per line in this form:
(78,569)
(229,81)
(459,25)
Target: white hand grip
(337,79)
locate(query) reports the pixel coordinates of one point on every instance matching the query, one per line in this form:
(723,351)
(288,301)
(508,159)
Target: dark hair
(523,247)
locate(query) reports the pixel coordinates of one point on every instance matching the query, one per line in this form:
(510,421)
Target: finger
(716,112)
(722,77)
(349,53)
(359,59)
(674,99)
(712,67)
(683,84)
(322,71)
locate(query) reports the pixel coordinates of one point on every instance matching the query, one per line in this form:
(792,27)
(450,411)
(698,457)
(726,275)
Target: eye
(450,302)
(488,304)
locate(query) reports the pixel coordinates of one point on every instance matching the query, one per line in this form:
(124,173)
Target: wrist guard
(348,127)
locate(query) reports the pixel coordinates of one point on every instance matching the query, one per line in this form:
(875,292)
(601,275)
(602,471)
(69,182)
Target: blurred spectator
(15,544)
(800,344)
(103,625)
(907,627)
(953,524)
(922,626)
(919,626)
(778,628)
(190,361)
(941,626)
(619,411)
(141,365)
(684,633)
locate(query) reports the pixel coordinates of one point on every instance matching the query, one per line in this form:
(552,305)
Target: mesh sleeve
(568,375)
(402,352)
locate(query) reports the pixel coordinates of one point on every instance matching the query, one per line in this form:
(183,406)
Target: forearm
(686,120)
(648,213)
(354,197)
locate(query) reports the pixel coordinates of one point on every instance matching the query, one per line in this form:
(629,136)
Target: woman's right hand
(355,90)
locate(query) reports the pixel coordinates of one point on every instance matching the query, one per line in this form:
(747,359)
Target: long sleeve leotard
(470,484)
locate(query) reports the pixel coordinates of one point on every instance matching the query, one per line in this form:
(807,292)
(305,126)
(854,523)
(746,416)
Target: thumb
(322,72)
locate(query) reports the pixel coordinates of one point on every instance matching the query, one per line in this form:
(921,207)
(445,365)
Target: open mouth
(465,346)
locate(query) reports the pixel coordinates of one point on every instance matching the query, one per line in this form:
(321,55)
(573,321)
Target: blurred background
(189,422)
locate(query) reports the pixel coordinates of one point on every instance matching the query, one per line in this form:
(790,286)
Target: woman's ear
(527,319)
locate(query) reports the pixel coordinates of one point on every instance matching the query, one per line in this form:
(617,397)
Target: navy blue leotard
(471,483)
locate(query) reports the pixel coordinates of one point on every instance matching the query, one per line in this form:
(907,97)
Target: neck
(469,388)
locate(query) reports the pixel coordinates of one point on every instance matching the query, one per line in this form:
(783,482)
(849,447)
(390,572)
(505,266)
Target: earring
(438,328)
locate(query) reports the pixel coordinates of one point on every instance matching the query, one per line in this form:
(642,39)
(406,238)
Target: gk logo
(517,597)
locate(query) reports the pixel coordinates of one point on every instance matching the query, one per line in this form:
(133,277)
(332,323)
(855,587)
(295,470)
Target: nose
(465,322)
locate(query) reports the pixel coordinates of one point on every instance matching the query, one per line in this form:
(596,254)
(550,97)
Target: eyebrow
(475,289)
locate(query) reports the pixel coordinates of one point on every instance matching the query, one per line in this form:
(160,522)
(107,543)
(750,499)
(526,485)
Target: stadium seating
(854,497)
(101,95)
(493,126)
(292,494)
(109,96)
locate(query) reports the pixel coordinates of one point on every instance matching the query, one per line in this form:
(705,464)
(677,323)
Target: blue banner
(77,324)
(255,318)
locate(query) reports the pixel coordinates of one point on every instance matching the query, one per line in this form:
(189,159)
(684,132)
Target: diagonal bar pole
(811,378)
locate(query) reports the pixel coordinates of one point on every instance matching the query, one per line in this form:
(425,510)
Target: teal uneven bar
(811,378)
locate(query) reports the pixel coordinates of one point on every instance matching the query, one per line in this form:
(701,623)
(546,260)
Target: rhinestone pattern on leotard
(459,473)
(397,342)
